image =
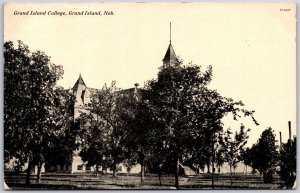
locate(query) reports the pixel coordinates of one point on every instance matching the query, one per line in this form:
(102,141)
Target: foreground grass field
(151,181)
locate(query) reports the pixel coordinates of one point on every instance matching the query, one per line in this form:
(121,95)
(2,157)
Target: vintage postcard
(149,96)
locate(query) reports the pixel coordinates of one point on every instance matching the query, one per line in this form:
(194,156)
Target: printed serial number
(285,9)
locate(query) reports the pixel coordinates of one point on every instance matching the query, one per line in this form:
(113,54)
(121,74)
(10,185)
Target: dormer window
(82,96)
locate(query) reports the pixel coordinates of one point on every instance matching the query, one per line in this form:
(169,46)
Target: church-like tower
(170,58)
(82,96)
(79,89)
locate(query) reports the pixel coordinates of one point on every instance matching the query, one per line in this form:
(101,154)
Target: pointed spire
(170,58)
(78,82)
(170,54)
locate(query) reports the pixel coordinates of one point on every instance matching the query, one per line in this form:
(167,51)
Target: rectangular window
(82,96)
(79,167)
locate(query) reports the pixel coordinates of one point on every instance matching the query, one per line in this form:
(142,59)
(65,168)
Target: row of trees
(175,119)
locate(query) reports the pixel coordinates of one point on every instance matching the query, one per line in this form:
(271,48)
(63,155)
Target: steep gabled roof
(78,82)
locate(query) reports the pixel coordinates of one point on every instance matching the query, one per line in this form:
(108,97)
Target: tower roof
(170,57)
(78,82)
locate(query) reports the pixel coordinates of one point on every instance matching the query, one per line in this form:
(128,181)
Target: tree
(189,112)
(142,144)
(29,80)
(288,163)
(233,147)
(109,105)
(62,144)
(220,152)
(246,157)
(93,142)
(170,95)
(264,155)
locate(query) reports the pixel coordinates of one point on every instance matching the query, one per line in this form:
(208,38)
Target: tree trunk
(245,172)
(142,171)
(97,167)
(212,176)
(212,164)
(230,176)
(208,169)
(159,175)
(219,170)
(159,178)
(39,173)
(176,173)
(114,168)
(28,173)
(61,167)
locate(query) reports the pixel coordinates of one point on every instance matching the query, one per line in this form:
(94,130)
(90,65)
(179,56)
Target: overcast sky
(251,48)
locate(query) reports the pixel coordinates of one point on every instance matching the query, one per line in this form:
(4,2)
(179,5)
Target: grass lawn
(131,181)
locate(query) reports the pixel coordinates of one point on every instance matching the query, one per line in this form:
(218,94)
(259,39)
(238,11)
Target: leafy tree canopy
(30,113)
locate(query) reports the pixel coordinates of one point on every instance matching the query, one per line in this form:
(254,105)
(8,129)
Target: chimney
(280,141)
(290,133)
(136,85)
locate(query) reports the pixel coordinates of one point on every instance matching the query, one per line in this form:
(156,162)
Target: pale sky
(251,47)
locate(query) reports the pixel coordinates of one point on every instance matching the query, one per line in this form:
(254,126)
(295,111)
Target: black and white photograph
(149,96)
